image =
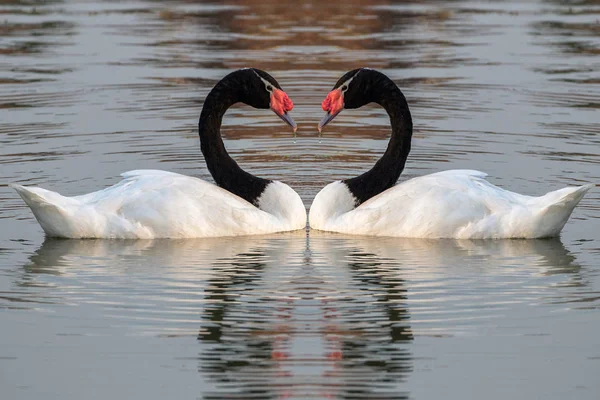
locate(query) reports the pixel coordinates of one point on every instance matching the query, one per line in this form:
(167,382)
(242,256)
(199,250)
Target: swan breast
(281,201)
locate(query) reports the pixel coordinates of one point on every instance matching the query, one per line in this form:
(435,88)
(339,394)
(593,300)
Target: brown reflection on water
(311,35)
(34,38)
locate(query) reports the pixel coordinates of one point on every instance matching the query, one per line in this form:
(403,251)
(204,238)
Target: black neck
(225,171)
(388,168)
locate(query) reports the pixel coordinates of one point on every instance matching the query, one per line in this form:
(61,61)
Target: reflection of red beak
(333,105)
(281,104)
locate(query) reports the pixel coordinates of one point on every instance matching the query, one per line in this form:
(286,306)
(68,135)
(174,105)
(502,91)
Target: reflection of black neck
(379,344)
(368,268)
(225,171)
(388,168)
(231,350)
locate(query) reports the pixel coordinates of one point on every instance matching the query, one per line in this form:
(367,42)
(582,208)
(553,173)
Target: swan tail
(49,208)
(557,207)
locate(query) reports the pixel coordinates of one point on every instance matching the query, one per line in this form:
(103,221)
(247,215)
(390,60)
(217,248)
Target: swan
(150,204)
(449,204)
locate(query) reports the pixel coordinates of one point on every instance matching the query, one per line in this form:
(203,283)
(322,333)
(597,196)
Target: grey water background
(92,89)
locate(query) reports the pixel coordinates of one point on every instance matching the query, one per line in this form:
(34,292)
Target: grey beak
(288,120)
(326,119)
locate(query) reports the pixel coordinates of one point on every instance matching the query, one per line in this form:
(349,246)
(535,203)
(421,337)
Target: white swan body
(150,204)
(450,204)
(458,204)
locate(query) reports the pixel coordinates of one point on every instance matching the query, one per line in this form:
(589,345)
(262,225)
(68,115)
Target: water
(89,90)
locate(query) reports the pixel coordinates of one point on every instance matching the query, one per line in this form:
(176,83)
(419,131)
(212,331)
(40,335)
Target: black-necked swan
(150,204)
(450,204)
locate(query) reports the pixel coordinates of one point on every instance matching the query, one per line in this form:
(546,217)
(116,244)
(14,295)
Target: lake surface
(92,89)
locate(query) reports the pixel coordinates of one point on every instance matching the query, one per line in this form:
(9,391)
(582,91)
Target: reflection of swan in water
(367,320)
(265,302)
(422,256)
(455,286)
(239,331)
(264,331)
(139,281)
(231,283)
(194,258)
(373,308)
(189,256)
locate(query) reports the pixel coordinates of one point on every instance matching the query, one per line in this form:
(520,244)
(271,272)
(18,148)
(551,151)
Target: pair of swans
(158,204)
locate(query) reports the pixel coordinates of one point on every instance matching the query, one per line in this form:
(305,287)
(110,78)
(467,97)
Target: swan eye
(344,88)
(270,88)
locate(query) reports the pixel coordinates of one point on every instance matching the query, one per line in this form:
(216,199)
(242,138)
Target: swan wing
(460,204)
(148,204)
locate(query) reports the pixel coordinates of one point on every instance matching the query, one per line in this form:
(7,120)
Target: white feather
(151,204)
(450,204)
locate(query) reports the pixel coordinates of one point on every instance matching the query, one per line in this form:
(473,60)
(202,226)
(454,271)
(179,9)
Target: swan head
(353,90)
(258,89)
